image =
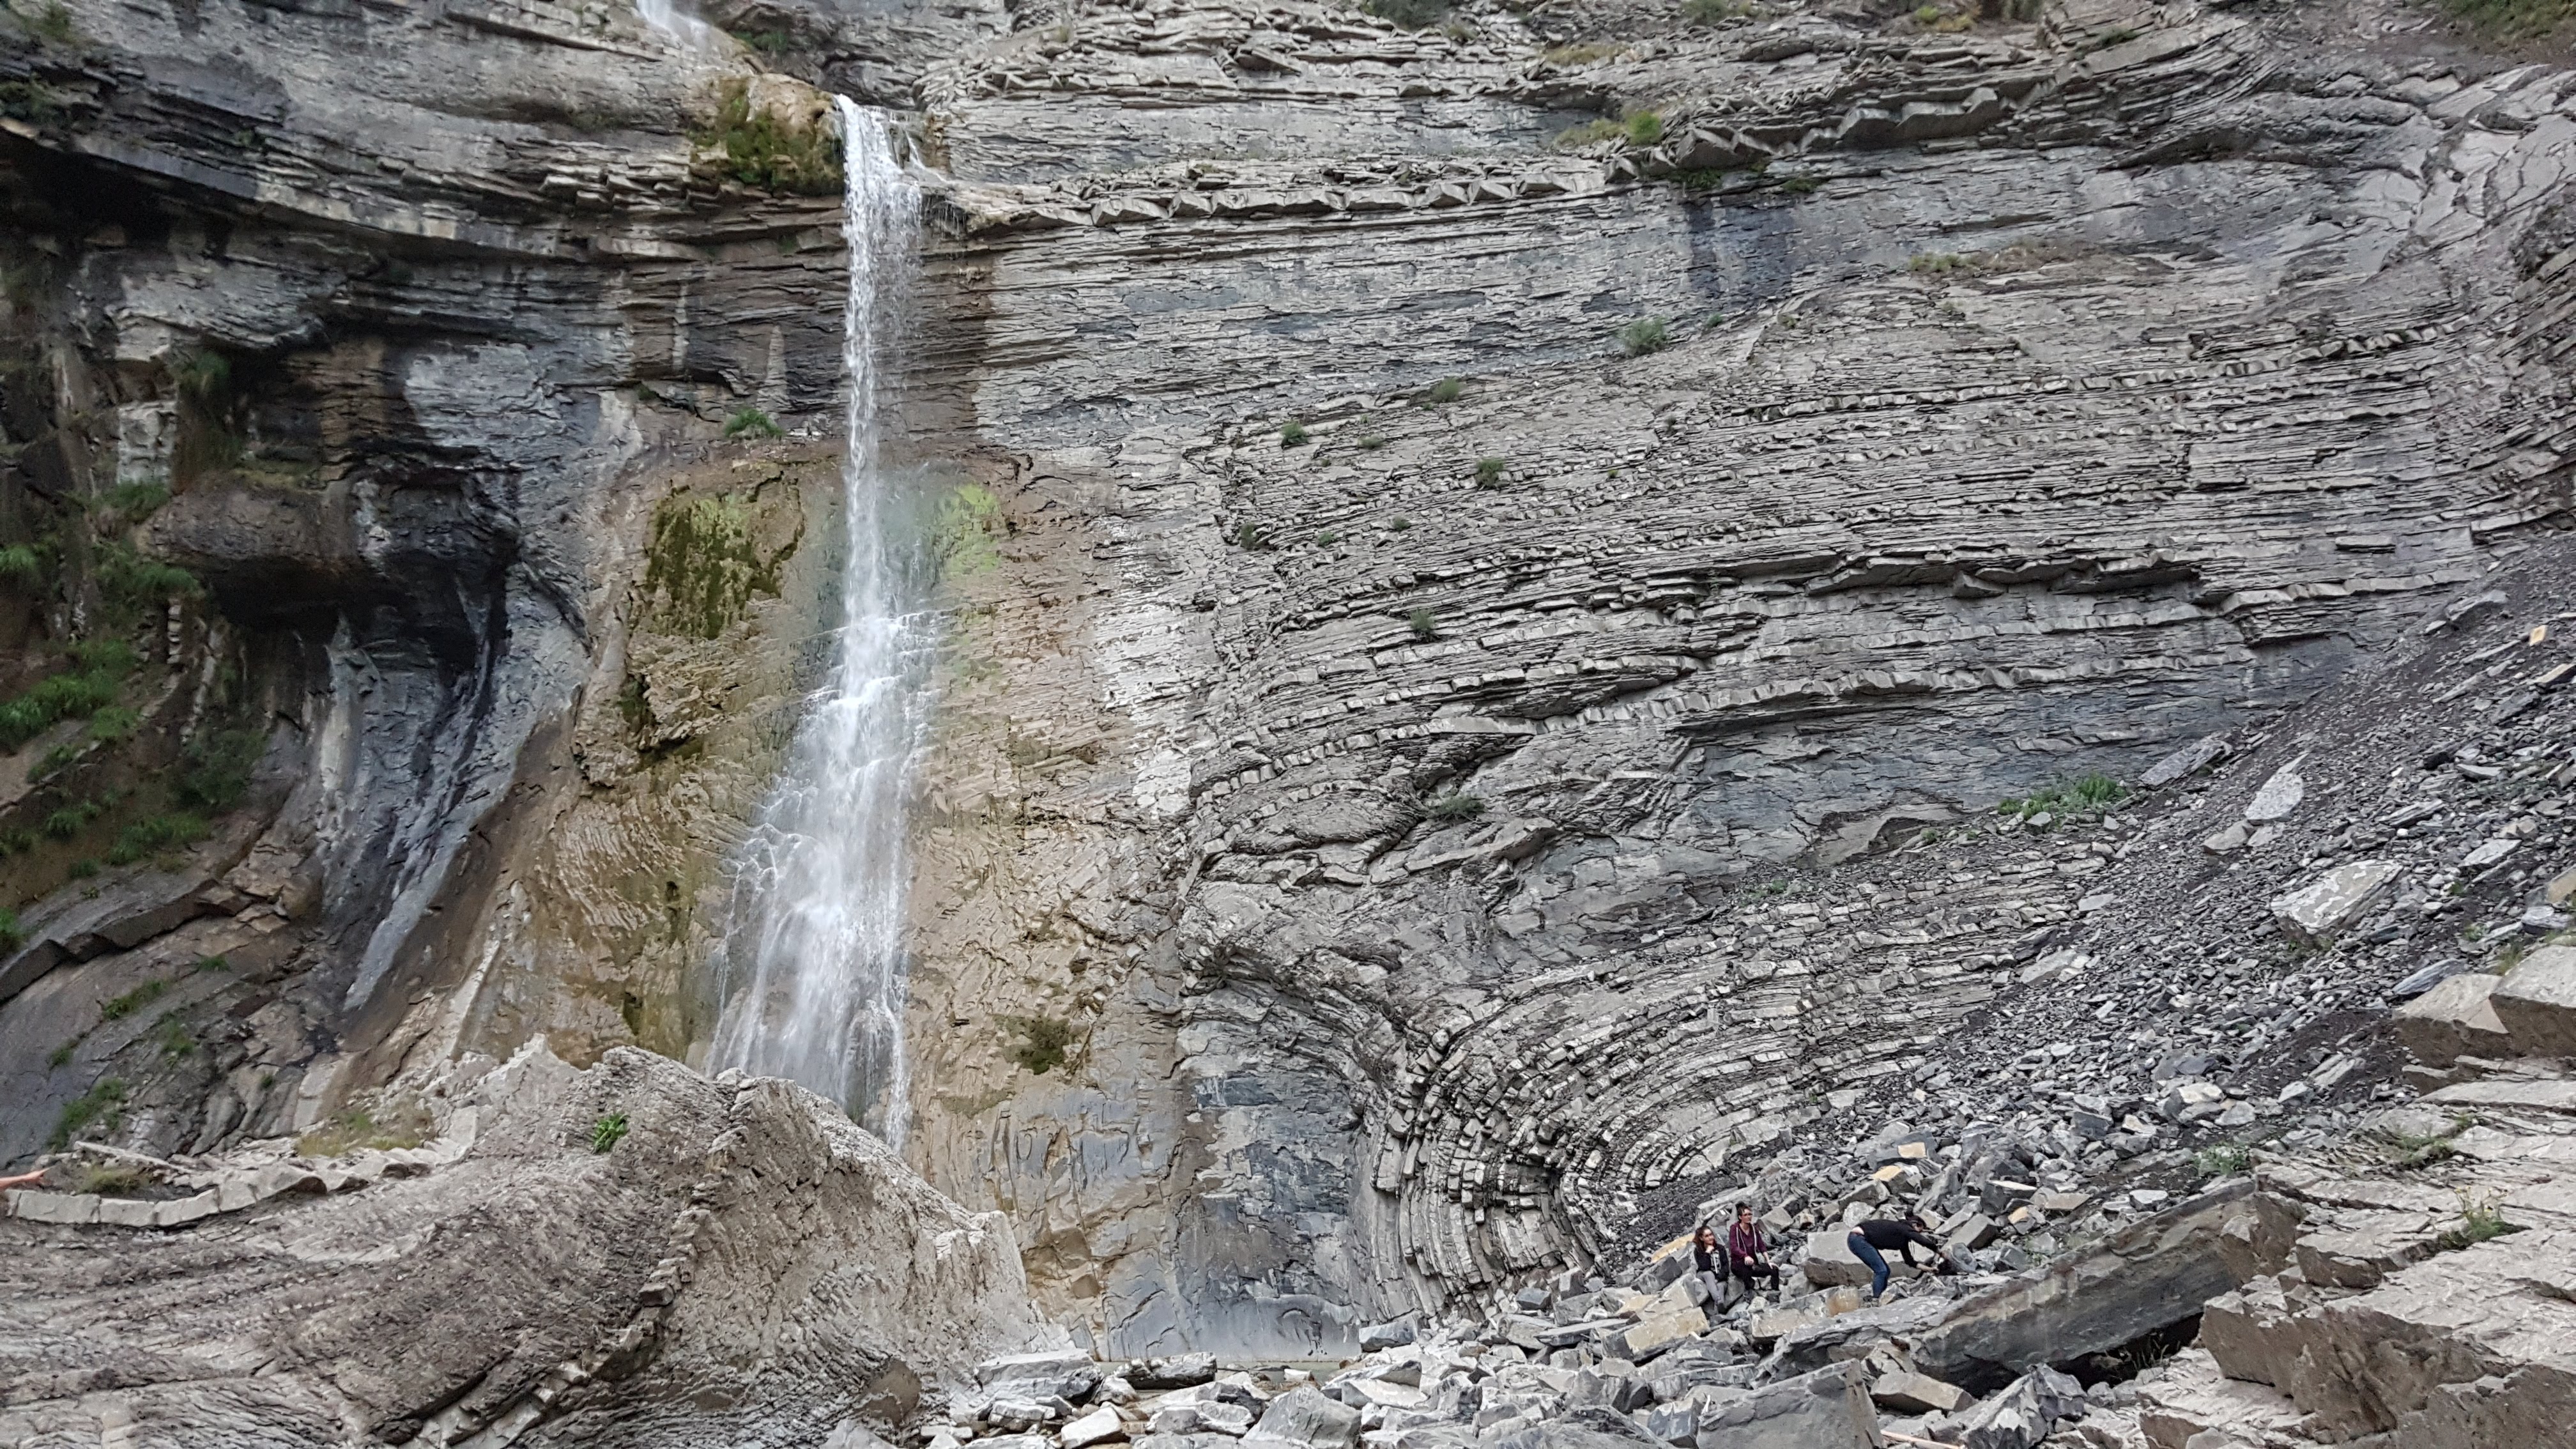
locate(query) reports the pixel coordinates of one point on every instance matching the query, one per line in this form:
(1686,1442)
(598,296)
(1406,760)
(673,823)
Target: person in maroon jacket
(1748,1252)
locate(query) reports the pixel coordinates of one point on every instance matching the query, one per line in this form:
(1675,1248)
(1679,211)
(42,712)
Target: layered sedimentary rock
(1357,858)
(730,1260)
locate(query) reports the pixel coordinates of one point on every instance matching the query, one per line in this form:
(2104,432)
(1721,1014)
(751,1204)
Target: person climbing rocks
(1871,1239)
(1748,1251)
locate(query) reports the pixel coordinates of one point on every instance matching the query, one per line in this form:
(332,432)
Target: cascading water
(811,969)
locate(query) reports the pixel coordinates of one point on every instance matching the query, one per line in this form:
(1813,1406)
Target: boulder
(1830,1263)
(2323,908)
(1098,1426)
(2192,1397)
(1827,1409)
(2536,1003)
(1201,1416)
(1655,1334)
(1070,1375)
(1181,1371)
(1852,1335)
(1378,1336)
(2152,1274)
(2455,1019)
(1305,1419)
(2020,1416)
(1906,1392)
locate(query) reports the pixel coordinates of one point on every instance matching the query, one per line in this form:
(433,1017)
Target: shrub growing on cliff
(1293,436)
(1250,535)
(154,834)
(1447,390)
(214,768)
(21,563)
(1489,472)
(1411,14)
(1645,128)
(1646,334)
(607,1132)
(754,422)
(1590,133)
(11,933)
(1424,626)
(1044,1042)
(102,1107)
(1455,806)
(758,149)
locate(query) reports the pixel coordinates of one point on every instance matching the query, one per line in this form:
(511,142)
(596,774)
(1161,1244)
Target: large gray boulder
(1305,1419)
(742,1264)
(2535,1002)
(1827,1409)
(2022,1415)
(1852,1335)
(2152,1274)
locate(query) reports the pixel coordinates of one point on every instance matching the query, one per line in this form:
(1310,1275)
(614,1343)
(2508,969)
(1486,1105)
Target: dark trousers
(1877,1262)
(1748,1269)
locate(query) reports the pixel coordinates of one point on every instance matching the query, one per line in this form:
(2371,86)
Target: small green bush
(2481,1220)
(1044,1042)
(1646,334)
(760,150)
(1424,626)
(1250,535)
(2082,795)
(215,768)
(61,1056)
(174,1036)
(1371,442)
(154,834)
(1293,436)
(2224,1160)
(607,1132)
(754,422)
(54,23)
(1327,539)
(22,563)
(137,501)
(213,963)
(1454,806)
(69,820)
(117,1008)
(1645,128)
(1448,390)
(1399,524)
(102,1107)
(88,687)
(11,932)
(1489,471)
(132,579)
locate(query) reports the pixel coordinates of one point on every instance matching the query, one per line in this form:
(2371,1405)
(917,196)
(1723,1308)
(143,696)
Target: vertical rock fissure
(811,965)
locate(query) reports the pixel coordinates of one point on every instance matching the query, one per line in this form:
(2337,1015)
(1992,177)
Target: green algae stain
(966,530)
(705,563)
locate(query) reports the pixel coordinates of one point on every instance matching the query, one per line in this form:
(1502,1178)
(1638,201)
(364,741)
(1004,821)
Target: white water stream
(811,969)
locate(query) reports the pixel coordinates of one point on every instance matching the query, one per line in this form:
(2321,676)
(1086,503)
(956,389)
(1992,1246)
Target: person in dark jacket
(1748,1252)
(1707,1260)
(1871,1240)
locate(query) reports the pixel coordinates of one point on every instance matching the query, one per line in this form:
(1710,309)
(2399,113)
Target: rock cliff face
(1446,628)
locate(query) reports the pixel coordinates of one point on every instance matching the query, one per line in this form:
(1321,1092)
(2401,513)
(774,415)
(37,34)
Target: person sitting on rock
(1876,1234)
(1748,1252)
(1705,1256)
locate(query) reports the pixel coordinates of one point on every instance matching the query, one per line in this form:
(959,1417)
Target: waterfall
(686,30)
(811,968)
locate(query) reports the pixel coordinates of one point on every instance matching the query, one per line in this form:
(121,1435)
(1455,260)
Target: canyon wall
(1447,625)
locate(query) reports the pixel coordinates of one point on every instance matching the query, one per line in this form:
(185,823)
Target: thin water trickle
(688,30)
(811,967)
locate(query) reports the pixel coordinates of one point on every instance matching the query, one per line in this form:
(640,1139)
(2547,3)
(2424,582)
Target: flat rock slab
(2335,900)
(2536,1003)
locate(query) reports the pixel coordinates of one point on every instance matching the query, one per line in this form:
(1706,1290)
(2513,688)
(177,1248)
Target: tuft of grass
(1714,12)
(607,1132)
(90,685)
(154,834)
(1293,436)
(1327,538)
(135,502)
(101,1107)
(2224,1160)
(1645,128)
(758,149)
(61,1056)
(174,1036)
(2110,38)
(1800,185)
(1424,626)
(2082,795)
(357,1130)
(108,1179)
(1399,524)
(1646,334)
(1447,390)
(1371,442)
(54,22)
(1489,472)
(2481,1220)
(1252,536)
(1044,1042)
(12,933)
(22,563)
(754,422)
(213,963)
(1455,806)
(131,578)
(117,1008)
(1590,133)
